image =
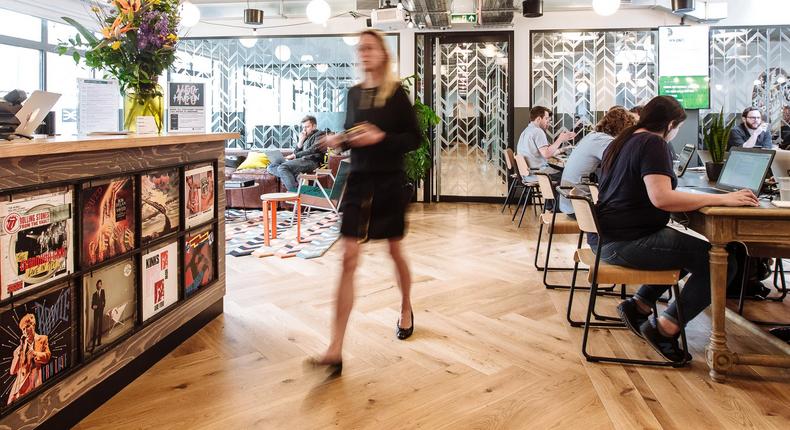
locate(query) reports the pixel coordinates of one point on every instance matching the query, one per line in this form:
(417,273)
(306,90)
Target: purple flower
(153,31)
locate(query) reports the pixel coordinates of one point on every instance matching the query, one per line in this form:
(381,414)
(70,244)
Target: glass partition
(263,87)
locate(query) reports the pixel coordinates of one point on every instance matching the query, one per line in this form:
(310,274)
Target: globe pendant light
(605,7)
(282,52)
(318,11)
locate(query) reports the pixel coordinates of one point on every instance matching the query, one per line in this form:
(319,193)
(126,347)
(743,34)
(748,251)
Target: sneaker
(666,346)
(631,315)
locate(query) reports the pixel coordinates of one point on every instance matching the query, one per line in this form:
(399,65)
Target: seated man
(587,156)
(307,156)
(784,130)
(534,145)
(751,132)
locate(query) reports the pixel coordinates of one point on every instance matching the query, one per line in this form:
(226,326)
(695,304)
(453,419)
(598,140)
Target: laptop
(744,169)
(781,165)
(34,111)
(685,157)
(275,156)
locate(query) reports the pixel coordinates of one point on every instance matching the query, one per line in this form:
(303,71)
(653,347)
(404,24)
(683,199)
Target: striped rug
(320,230)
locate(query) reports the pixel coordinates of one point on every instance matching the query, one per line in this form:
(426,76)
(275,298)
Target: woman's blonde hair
(390,82)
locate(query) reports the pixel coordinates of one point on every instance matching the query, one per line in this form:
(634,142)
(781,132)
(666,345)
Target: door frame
(429,194)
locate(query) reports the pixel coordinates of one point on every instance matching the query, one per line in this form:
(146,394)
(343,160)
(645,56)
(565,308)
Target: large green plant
(717,135)
(419,161)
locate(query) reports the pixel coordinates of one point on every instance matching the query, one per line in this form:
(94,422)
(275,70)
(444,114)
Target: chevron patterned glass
(580,75)
(264,96)
(749,67)
(472,102)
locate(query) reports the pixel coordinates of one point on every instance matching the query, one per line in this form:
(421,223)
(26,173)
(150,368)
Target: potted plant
(715,138)
(137,44)
(418,162)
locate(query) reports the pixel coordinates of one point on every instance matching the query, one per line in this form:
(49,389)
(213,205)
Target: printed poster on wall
(187,107)
(35,240)
(199,194)
(109,305)
(36,343)
(160,279)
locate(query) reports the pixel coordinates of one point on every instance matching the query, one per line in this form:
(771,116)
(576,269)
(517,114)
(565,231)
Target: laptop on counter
(744,169)
(275,156)
(781,165)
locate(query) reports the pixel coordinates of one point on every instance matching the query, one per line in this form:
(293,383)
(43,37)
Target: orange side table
(270,200)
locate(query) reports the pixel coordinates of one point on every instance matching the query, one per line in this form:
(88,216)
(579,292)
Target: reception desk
(111,254)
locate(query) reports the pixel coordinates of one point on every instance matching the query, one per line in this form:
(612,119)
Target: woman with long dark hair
(381,126)
(637,193)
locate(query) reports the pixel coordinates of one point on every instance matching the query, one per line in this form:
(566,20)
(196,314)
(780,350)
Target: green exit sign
(463,18)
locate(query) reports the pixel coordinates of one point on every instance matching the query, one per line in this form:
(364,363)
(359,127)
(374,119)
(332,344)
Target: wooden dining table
(765,224)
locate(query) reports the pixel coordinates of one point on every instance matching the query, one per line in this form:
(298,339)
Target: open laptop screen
(745,169)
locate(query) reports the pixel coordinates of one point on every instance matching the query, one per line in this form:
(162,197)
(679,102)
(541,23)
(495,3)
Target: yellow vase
(148,103)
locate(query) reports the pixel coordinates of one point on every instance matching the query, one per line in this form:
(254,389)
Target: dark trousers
(289,170)
(97,320)
(669,249)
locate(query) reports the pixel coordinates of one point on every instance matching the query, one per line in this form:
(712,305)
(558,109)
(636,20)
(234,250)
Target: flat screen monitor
(683,72)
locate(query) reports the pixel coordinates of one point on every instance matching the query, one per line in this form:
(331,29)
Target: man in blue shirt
(752,132)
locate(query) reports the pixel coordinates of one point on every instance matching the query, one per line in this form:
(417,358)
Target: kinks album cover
(36,343)
(199,195)
(35,239)
(107,220)
(160,279)
(109,305)
(198,260)
(159,203)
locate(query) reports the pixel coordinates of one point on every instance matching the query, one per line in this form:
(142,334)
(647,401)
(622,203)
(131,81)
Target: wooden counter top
(74,144)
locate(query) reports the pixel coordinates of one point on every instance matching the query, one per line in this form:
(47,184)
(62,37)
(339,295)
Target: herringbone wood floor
(491,350)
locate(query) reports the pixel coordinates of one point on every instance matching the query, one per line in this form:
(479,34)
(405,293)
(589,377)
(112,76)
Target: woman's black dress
(374,204)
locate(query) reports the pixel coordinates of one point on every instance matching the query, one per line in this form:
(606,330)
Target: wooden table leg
(298,220)
(719,357)
(266,222)
(274,219)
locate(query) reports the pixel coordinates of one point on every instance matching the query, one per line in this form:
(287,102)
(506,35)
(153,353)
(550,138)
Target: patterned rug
(245,237)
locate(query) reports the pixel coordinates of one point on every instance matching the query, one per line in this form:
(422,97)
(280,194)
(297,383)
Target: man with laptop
(307,156)
(752,132)
(745,169)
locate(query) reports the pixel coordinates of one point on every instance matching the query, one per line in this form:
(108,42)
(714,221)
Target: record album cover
(36,343)
(109,305)
(35,240)
(199,195)
(107,220)
(198,260)
(160,279)
(159,203)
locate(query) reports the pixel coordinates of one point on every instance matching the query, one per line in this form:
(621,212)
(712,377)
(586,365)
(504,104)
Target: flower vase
(143,103)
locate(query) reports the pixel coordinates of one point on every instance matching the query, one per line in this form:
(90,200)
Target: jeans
(669,249)
(290,169)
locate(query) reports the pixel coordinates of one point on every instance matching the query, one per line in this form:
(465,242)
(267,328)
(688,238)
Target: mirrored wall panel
(580,75)
(750,67)
(263,87)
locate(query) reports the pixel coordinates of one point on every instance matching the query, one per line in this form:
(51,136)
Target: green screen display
(691,91)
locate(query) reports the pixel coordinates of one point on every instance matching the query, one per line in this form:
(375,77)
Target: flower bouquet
(137,44)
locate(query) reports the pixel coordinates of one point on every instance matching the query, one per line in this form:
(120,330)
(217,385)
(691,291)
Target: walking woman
(381,127)
(637,195)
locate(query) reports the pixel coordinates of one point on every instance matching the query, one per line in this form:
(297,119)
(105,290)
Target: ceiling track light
(532,8)
(252,16)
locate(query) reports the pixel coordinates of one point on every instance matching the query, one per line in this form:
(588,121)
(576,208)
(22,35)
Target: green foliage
(418,162)
(717,135)
(117,50)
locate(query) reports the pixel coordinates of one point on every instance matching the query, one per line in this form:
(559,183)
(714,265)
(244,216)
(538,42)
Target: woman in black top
(381,127)
(637,194)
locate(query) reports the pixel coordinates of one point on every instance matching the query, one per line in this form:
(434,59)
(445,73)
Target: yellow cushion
(255,160)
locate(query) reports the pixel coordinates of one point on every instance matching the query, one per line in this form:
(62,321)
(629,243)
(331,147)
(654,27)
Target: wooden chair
(316,196)
(763,250)
(556,223)
(604,273)
(530,192)
(513,176)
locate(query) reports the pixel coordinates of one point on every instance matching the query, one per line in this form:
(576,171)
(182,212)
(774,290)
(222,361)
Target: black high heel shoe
(404,333)
(332,368)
